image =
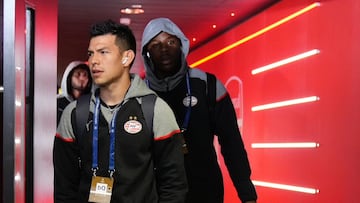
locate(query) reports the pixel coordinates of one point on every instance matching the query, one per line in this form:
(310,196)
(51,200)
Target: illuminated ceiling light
(256,34)
(232,14)
(136,6)
(285,103)
(125,21)
(194,39)
(285,61)
(286,145)
(286,187)
(1,88)
(135,9)
(214,26)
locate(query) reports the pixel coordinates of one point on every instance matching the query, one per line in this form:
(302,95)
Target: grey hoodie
(137,154)
(152,29)
(206,121)
(65,97)
(64,92)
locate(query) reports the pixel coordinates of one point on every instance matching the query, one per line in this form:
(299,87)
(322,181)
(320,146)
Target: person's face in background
(79,79)
(165,54)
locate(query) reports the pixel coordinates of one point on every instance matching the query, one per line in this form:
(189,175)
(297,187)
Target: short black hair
(124,35)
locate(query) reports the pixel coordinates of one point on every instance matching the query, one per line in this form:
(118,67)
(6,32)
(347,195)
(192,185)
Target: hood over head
(152,29)
(65,81)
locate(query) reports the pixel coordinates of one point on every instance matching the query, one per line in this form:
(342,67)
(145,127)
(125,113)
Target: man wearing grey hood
(164,50)
(75,82)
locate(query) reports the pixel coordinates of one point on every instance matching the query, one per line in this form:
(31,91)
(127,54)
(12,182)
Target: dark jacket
(148,168)
(202,168)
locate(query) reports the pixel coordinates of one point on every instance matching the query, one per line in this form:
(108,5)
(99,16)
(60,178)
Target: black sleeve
(233,150)
(170,171)
(66,171)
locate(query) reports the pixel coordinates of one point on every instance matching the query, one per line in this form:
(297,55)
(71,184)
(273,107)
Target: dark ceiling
(195,17)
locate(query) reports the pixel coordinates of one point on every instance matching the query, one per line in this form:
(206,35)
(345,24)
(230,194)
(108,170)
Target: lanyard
(188,110)
(96,137)
(188,96)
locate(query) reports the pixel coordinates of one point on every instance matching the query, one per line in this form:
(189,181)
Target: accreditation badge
(101,189)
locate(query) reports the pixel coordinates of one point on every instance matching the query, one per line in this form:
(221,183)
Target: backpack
(82,111)
(147,106)
(211,94)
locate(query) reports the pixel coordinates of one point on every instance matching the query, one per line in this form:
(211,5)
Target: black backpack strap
(211,93)
(82,113)
(147,107)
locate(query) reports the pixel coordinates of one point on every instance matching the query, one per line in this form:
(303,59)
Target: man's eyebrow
(101,49)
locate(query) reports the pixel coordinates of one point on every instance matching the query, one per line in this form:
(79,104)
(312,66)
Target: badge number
(101,189)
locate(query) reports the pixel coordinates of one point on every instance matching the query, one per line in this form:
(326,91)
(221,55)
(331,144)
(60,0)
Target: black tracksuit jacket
(149,167)
(202,168)
(201,164)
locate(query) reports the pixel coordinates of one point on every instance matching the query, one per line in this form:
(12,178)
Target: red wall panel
(333,75)
(45,53)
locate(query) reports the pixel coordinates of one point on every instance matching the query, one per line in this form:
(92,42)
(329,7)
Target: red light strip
(286,187)
(256,34)
(285,145)
(285,61)
(285,103)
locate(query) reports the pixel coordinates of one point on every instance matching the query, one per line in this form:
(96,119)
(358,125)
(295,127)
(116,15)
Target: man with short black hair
(119,158)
